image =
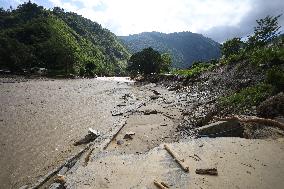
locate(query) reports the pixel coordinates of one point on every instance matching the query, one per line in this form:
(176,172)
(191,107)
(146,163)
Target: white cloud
(134,16)
(218,19)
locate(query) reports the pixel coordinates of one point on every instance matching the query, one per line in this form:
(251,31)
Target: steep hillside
(185,47)
(62,42)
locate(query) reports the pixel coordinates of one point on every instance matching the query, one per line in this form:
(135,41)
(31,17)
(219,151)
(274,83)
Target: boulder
(221,129)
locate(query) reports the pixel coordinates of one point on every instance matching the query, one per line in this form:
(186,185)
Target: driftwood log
(175,157)
(263,121)
(161,185)
(212,171)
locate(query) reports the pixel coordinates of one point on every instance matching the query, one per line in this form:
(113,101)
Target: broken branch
(160,185)
(269,122)
(175,157)
(212,171)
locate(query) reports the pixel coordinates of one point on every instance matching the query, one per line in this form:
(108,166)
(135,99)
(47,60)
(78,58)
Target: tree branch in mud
(263,121)
(179,161)
(161,185)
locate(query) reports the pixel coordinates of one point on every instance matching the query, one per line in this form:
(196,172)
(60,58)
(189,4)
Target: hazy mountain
(185,47)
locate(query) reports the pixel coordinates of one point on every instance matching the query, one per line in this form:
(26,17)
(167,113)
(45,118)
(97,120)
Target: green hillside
(62,42)
(185,47)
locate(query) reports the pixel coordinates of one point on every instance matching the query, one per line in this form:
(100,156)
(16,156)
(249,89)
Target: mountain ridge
(185,47)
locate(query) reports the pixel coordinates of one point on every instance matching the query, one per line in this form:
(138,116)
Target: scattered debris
(129,135)
(161,185)
(211,171)
(56,186)
(87,158)
(91,136)
(175,157)
(116,113)
(195,157)
(148,112)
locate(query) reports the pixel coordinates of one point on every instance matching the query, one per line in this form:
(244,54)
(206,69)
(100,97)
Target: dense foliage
(62,42)
(185,47)
(264,49)
(148,61)
(231,47)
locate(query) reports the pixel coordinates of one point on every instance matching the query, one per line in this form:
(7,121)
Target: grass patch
(195,69)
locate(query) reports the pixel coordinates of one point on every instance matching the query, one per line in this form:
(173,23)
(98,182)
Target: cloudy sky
(217,19)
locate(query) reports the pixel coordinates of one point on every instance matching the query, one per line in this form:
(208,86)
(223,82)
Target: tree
(166,62)
(145,62)
(232,46)
(266,31)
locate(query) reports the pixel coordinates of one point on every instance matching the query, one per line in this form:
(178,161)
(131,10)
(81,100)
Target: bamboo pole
(175,157)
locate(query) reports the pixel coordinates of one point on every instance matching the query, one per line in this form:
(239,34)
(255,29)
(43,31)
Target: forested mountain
(185,47)
(62,42)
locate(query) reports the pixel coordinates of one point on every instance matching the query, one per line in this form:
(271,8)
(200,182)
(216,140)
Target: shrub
(267,56)
(248,97)
(275,77)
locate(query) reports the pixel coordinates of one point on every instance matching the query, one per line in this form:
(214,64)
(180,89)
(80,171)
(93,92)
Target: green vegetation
(148,61)
(275,77)
(248,97)
(62,42)
(185,47)
(231,47)
(195,69)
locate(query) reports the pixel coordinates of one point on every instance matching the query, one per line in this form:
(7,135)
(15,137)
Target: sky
(217,19)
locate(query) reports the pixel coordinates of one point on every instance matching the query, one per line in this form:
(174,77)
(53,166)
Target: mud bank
(241,163)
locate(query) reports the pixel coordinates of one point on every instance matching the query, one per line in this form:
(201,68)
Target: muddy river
(41,119)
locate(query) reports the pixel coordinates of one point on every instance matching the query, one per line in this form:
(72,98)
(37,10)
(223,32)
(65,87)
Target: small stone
(148,112)
(119,142)
(55,186)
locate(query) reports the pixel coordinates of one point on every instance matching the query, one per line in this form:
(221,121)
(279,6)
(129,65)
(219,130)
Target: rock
(272,107)
(94,132)
(56,186)
(129,135)
(148,112)
(154,97)
(119,142)
(156,92)
(91,136)
(60,179)
(221,129)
